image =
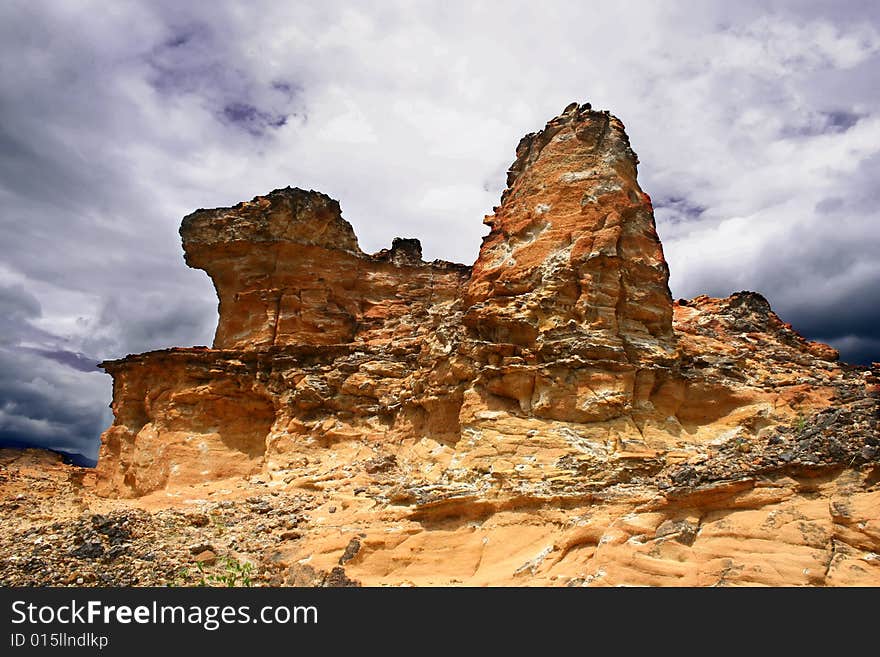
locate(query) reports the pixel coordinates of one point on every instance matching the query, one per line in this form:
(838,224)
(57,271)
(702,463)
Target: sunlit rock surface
(547,416)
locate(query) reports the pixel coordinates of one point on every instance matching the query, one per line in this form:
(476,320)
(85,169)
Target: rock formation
(573,256)
(548,416)
(289,272)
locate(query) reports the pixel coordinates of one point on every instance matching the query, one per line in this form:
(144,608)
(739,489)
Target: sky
(757,125)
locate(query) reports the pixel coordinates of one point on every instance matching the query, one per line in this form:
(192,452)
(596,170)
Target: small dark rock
(684,474)
(88,550)
(260,506)
(116,551)
(338,578)
(100,522)
(835,449)
(351,550)
(680,530)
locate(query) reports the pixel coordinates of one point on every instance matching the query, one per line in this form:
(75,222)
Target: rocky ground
(58,534)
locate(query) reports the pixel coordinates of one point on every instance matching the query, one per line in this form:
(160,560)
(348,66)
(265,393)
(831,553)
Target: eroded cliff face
(288,271)
(548,416)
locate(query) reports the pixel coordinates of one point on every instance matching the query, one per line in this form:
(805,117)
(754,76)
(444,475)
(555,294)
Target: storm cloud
(757,126)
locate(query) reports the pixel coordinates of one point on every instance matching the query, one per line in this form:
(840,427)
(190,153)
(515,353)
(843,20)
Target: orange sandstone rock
(549,416)
(288,271)
(573,253)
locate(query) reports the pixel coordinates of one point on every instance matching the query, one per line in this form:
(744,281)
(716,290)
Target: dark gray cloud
(251,118)
(16,305)
(133,324)
(73,359)
(48,394)
(822,122)
(757,123)
(45,404)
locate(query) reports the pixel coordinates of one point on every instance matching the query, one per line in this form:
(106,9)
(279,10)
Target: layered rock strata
(551,399)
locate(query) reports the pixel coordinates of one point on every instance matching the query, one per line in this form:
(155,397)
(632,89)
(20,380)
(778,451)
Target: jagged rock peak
(573,247)
(598,131)
(403,251)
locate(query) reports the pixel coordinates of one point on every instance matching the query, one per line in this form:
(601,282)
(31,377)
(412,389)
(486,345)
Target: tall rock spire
(573,251)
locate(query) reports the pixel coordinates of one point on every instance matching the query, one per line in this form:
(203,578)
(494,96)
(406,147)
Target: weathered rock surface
(288,271)
(573,255)
(549,416)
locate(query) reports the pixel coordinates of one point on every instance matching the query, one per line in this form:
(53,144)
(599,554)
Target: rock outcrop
(548,416)
(288,271)
(573,256)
